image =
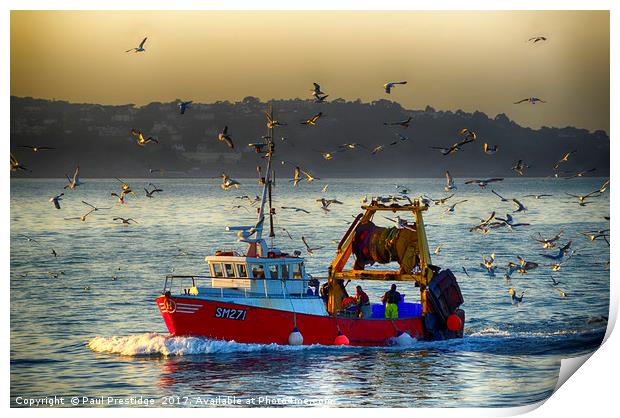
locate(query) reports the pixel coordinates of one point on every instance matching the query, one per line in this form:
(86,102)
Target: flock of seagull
(300,174)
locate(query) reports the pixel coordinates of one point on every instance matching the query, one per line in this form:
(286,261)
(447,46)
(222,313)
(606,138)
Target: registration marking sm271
(229,313)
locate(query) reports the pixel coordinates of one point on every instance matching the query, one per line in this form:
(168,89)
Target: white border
(591,392)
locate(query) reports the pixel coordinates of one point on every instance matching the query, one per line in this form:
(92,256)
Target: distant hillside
(98,137)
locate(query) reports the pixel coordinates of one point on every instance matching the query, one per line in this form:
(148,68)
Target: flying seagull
(56,200)
(15,165)
(537,39)
(449,182)
(75,180)
(483,183)
(140,47)
(35,148)
(141,140)
(125,221)
(310,250)
(183,106)
(225,137)
(295,209)
(489,149)
(532,100)
(519,167)
(404,123)
(392,84)
(564,159)
(313,120)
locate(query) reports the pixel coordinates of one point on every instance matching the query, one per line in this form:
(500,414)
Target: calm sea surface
(77,332)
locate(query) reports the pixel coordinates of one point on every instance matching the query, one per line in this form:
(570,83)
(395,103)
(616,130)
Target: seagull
(537,39)
(488,264)
(149,194)
(484,223)
(503,199)
(467,134)
(483,183)
(549,242)
(454,147)
(561,253)
(316,91)
(324,190)
(140,47)
(524,266)
(532,100)
(271,122)
(538,196)
(519,167)
(514,298)
(326,202)
(555,282)
(75,180)
(465,271)
(183,106)
(313,120)
(56,200)
(594,235)
(582,199)
(377,149)
(519,206)
(310,250)
(287,233)
(224,136)
(124,221)
(580,173)
(604,187)
(404,123)
(294,208)
(451,208)
(564,158)
(402,223)
(296,176)
(562,293)
(327,155)
(228,183)
(449,182)
(320,99)
(15,165)
(489,149)
(392,84)
(94,207)
(509,222)
(442,200)
(309,177)
(141,141)
(438,249)
(121,198)
(29,239)
(81,218)
(35,148)
(54,253)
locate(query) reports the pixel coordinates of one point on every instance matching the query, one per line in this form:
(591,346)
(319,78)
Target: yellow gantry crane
(337,275)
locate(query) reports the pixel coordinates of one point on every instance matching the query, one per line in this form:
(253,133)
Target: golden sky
(452,60)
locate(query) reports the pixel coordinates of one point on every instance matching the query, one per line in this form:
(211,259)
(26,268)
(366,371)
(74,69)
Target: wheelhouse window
(229,269)
(241,270)
(284,269)
(217,270)
(297,271)
(273,271)
(258,271)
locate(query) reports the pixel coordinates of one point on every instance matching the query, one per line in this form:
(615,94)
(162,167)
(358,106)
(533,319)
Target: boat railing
(255,287)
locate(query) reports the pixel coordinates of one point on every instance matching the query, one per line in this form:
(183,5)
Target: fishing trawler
(266,296)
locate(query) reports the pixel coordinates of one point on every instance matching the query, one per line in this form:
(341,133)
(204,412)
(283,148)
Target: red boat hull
(248,324)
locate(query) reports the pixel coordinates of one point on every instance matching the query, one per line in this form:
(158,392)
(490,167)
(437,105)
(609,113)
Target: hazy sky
(451,60)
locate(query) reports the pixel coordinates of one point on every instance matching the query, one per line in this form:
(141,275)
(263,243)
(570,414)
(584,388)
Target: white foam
(157,344)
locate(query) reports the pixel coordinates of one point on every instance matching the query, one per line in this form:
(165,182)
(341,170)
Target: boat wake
(166,345)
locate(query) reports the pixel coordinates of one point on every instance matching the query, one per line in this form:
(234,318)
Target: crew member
(363,303)
(391,299)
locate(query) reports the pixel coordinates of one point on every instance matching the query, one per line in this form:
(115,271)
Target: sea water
(85,324)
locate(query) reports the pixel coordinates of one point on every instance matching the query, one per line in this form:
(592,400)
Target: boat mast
(266,186)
